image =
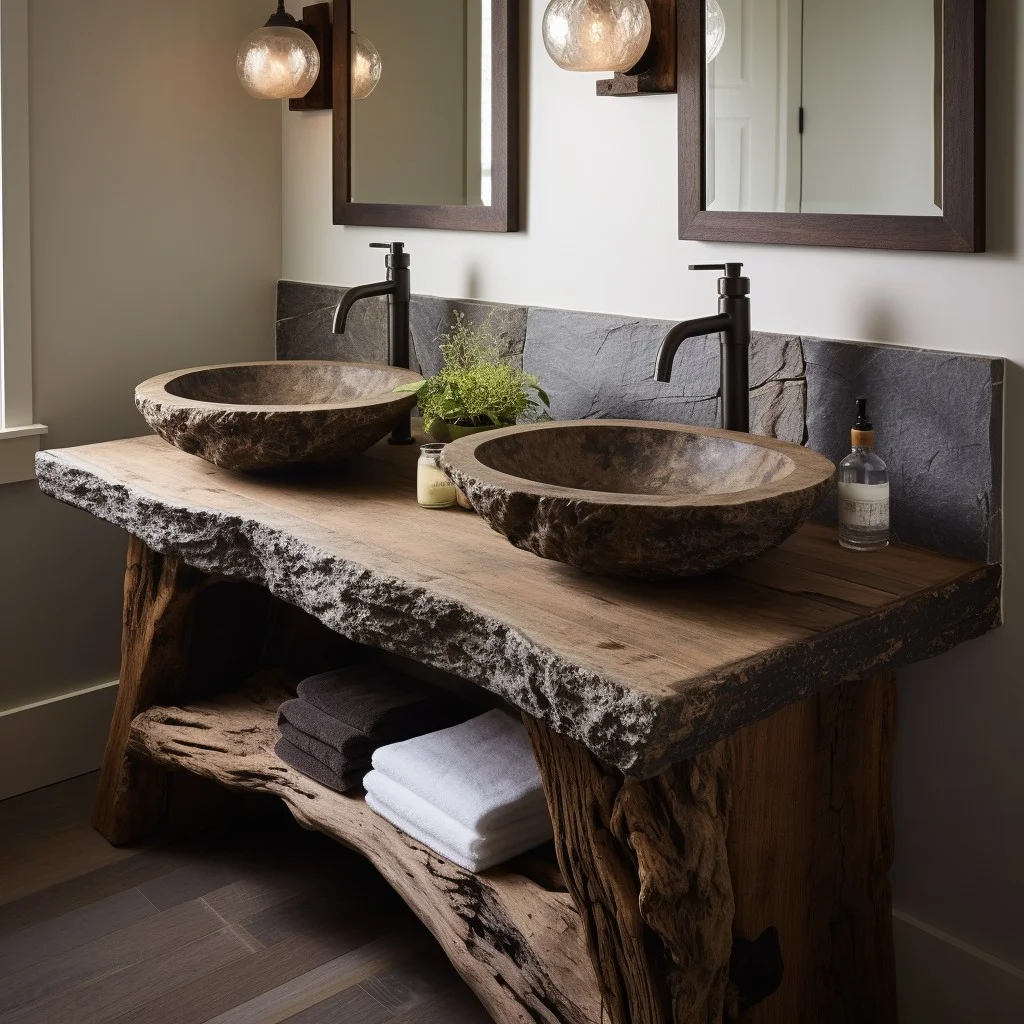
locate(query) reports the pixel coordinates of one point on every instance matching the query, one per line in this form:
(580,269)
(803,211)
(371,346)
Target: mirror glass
(824,106)
(423,134)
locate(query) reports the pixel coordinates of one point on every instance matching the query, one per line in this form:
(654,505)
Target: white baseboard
(53,740)
(942,980)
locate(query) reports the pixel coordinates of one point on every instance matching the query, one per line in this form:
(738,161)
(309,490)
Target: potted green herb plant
(475,389)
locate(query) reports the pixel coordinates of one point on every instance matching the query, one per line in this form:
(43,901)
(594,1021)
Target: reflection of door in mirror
(423,136)
(826,106)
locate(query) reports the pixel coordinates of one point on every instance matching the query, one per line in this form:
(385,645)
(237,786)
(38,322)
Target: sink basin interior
(634,460)
(284,384)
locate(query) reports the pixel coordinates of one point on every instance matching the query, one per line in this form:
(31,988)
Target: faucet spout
(680,333)
(353,295)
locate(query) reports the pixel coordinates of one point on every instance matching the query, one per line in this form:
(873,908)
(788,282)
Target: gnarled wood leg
(158,592)
(646,862)
(786,824)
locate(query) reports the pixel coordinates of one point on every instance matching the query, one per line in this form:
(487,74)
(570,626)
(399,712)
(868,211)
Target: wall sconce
(290,60)
(366,67)
(634,39)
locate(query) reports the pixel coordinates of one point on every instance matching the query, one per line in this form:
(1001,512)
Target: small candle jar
(433,488)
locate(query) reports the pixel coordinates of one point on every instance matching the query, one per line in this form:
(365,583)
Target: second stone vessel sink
(639,499)
(258,416)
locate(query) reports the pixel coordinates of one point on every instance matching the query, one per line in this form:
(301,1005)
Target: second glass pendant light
(596,35)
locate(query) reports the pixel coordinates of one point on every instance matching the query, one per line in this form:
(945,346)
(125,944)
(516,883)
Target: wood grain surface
(643,674)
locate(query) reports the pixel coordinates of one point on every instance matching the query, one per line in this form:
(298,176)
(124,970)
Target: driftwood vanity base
(716,754)
(786,824)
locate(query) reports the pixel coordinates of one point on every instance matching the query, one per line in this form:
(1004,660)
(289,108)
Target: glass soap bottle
(863,490)
(433,488)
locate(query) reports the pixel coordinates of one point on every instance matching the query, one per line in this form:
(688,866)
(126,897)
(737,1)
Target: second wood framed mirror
(833,123)
(426,123)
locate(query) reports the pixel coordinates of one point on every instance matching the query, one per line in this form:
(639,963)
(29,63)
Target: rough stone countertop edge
(640,736)
(375,608)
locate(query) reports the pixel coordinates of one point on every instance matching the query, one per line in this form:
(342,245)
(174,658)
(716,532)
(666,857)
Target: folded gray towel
(348,743)
(384,705)
(317,770)
(339,764)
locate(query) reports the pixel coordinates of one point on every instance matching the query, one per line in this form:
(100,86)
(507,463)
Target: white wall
(600,234)
(156,220)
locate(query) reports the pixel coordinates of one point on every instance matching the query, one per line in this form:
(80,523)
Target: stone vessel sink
(639,499)
(257,416)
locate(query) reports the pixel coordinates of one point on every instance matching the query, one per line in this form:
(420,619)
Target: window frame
(19,433)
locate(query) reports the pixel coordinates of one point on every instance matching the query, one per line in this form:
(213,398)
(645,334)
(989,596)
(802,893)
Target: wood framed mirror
(434,144)
(833,123)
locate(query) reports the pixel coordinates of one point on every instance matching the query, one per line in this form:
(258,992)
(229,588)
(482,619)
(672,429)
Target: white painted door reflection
(826,106)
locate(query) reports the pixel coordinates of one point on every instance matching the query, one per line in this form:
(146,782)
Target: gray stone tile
(938,417)
(596,365)
(430,317)
(305,325)
(938,414)
(296,298)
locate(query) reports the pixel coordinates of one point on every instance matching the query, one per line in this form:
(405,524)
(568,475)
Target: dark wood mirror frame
(503,213)
(960,228)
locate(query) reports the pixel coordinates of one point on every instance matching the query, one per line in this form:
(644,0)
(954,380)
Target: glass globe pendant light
(279,61)
(596,35)
(366,67)
(715,29)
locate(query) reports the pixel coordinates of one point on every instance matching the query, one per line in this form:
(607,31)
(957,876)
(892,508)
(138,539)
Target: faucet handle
(732,283)
(398,257)
(729,269)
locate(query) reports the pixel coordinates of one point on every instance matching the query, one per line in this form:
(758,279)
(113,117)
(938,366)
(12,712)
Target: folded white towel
(446,836)
(483,773)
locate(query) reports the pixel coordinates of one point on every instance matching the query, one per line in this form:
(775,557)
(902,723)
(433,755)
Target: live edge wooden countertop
(644,674)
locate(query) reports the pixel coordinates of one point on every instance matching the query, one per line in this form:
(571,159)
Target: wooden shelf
(513,933)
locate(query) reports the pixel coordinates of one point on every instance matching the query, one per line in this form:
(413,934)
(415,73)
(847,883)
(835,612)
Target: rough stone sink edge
(644,535)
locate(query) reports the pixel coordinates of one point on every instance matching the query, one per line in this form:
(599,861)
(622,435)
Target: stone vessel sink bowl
(258,416)
(639,499)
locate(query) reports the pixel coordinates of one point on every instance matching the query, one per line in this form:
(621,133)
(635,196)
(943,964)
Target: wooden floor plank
(353,1006)
(343,948)
(148,938)
(412,982)
(81,890)
(344,972)
(57,935)
(114,993)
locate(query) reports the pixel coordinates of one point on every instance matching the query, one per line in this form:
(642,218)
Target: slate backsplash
(938,414)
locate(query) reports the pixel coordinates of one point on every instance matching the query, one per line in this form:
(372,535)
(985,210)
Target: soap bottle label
(864,506)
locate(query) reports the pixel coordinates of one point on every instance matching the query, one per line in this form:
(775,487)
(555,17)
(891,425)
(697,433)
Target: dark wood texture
(960,228)
(646,864)
(178,645)
(158,592)
(660,76)
(515,937)
(642,674)
(503,212)
(316,20)
(251,923)
(810,846)
(786,824)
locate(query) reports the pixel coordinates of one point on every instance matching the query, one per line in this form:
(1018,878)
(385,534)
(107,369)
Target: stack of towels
(330,731)
(472,792)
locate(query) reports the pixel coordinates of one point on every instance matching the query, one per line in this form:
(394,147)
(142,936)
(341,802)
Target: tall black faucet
(732,322)
(398,289)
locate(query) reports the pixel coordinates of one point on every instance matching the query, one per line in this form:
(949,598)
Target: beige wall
(600,234)
(156,227)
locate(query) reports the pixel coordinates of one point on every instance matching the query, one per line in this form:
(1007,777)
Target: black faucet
(733,323)
(398,289)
